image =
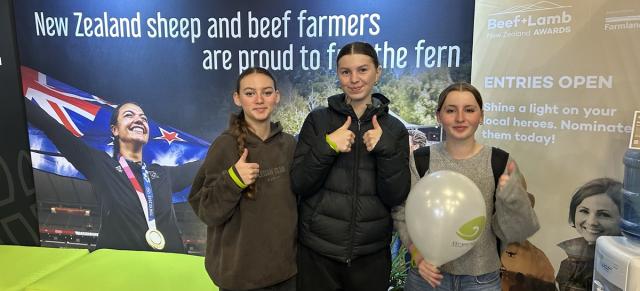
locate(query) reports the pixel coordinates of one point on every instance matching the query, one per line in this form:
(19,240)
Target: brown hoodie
(251,243)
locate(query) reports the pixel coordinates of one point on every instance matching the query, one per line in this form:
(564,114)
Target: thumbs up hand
(343,137)
(504,179)
(372,136)
(248,171)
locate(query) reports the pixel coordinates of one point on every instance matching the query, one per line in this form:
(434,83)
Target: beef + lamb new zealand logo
(537,19)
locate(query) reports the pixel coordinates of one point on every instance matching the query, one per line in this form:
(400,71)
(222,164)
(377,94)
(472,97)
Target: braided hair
(238,125)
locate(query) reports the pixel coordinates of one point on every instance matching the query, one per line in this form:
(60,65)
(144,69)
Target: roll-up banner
(560,81)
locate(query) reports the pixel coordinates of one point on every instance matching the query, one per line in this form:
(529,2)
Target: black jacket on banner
(345,198)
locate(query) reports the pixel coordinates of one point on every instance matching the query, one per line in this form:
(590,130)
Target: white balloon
(445,215)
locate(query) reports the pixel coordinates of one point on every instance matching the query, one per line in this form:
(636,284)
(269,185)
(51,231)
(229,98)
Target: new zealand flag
(86,116)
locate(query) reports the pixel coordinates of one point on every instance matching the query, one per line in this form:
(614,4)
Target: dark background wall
(18,220)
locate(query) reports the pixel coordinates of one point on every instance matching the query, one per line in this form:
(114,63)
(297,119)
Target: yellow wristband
(413,252)
(332,144)
(236,179)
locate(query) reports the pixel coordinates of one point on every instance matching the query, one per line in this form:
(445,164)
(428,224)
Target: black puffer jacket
(345,198)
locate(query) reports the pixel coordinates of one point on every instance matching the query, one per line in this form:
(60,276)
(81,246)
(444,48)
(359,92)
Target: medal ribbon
(144,195)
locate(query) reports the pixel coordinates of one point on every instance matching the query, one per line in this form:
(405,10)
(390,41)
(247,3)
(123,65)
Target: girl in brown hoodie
(242,194)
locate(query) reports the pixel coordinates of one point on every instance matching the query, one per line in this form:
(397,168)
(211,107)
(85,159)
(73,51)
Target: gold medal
(155,239)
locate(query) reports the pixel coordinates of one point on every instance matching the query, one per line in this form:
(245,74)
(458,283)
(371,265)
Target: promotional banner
(179,62)
(18,221)
(560,81)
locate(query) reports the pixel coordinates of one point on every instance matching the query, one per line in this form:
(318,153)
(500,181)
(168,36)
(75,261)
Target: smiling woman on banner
(510,216)
(594,211)
(135,197)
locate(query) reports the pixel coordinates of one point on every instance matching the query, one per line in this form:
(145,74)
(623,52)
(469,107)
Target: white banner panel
(560,84)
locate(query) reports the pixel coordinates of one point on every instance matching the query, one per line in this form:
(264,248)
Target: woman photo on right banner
(594,211)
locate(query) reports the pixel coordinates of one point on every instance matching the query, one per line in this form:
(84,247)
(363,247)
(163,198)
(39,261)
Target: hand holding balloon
(427,271)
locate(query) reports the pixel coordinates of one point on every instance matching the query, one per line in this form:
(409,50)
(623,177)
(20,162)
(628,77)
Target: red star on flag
(168,136)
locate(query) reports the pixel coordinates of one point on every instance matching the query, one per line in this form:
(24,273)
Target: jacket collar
(379,106)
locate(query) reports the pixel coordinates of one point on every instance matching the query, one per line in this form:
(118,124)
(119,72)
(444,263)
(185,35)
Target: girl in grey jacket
(512,217)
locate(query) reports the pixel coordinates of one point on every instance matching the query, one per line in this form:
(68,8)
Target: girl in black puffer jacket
(350,168)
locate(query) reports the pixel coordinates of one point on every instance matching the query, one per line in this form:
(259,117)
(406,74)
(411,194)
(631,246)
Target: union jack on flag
(86,116)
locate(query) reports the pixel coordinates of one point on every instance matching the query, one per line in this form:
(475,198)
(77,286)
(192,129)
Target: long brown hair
(238,125)
(461,87)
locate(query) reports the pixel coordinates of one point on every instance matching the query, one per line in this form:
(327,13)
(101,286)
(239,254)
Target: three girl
(350,167)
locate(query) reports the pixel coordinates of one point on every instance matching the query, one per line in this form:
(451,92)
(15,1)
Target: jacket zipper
(354,198)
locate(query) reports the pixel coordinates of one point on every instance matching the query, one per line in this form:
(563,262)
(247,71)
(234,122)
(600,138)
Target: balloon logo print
(472,229)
